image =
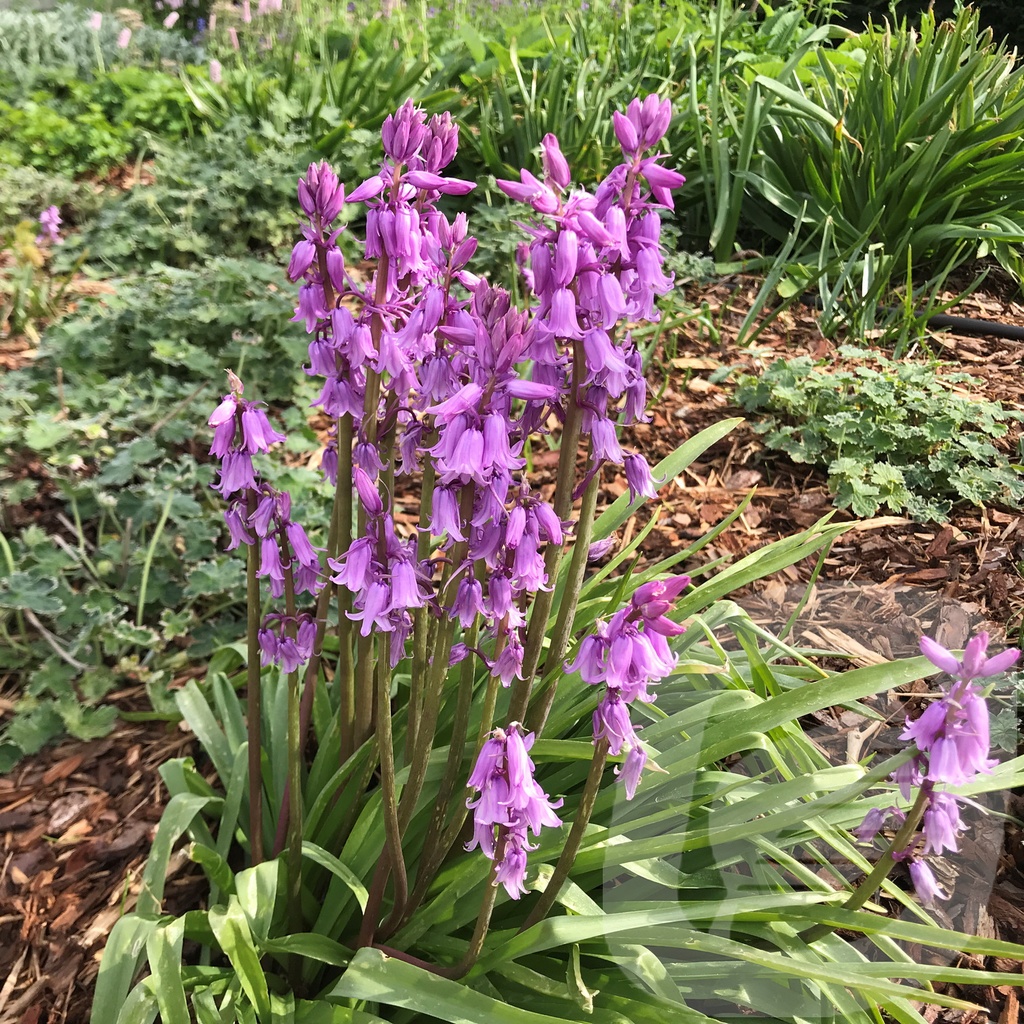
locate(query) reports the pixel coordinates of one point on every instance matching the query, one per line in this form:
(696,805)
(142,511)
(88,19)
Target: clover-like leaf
(25,592)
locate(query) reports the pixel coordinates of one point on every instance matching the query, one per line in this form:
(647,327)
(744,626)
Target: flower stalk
(950,746)
(878,874)
(254,710)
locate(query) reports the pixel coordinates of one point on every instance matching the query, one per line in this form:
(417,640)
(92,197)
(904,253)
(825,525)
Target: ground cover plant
(148,252)
(898,435)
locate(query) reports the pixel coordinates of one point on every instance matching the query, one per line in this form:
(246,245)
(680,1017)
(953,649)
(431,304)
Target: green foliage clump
(190,324)
(76,127)
(900,435)
(34,43)
(48,139)
(115,548)
(230,194)
(151,102)
(1001,16)
(25,191)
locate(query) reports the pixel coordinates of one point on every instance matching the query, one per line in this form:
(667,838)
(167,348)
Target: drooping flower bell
(509,804)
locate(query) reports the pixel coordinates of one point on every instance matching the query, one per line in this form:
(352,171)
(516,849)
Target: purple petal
(999,663)
(939,656)
(924,882)
(369,189)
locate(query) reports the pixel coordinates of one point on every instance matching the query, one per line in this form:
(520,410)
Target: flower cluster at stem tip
(511,802)
(951,747)
(628,654)
(428,370)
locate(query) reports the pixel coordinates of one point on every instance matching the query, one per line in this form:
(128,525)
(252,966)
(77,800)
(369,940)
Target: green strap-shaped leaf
(231,930)
(163,950)
(229,707)
(382,979)
(177,817)
(120,961)
(282,1008)
(327,860)
(257,895)
(216,868)
(718,740)
(672,465)
(908,931)
(554,932)
(321,1012)
(204,1006)
(202,721)
(139,1008)
(237,790)
(848,975)
(311,946)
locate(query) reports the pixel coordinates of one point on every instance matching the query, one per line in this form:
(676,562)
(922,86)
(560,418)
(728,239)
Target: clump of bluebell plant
(431,377)
(950,748)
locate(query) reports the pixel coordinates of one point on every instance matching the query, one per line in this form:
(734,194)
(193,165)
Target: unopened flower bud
(555,165)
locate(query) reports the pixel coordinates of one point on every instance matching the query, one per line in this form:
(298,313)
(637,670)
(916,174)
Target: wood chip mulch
(76,824)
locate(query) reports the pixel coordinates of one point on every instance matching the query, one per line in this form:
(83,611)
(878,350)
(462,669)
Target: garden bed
(77,818)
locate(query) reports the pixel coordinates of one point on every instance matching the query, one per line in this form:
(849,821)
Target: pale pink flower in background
(213,22)
(233,36)
(170,19)
(215,70)
(124,38)
(246,12)
(50,221)
(95,21)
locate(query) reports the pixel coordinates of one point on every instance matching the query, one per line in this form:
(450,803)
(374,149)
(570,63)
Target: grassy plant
(737,71)
(338,890)
(327,84)
(928,161)
(546,78)
(684,906)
